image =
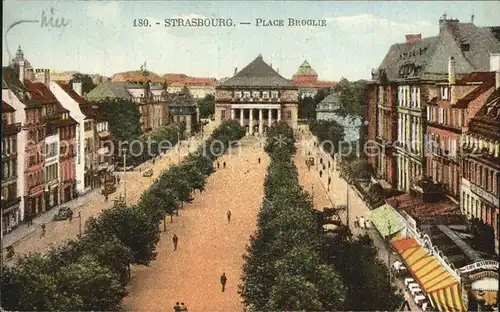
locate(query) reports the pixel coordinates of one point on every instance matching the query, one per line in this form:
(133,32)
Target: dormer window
(265,95)
(274,94)
(246,94)
(445,93)
(237,94)
(255,94)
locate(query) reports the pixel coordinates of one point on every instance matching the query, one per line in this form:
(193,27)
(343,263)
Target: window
(289,114)
(88,126)
(237,94)
(265,95)
(445,93)
(246,94)
(223,114)
(274,94)
(255,94)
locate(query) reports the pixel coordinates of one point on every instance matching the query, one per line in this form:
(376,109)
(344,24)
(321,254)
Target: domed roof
(306,70)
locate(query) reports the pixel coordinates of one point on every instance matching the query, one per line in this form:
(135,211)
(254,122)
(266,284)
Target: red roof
(40,92)
(403,244)
(6,108)
(474,94)
(77,98)
(477,77)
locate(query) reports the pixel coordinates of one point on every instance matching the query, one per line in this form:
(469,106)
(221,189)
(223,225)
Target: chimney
(77,87)
(21,71)
(411,38)
(235,70)
(451,71)
(271,64)
(495,66)
(278,70)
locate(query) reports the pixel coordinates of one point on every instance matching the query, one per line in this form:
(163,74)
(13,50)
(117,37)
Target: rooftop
(257,74)
(6,108)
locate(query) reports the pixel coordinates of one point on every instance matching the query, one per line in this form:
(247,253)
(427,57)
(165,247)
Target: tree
(90,286)
(365,275)
(360,169)
(207,106)
(321,95)
(307,108)
(329,133)
(123,117)
(131,226)
(87,82)
(352,102)
(293,293)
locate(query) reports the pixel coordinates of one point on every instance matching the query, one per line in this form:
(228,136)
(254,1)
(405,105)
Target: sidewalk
(23,231)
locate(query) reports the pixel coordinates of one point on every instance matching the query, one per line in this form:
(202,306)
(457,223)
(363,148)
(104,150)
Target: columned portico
(250,124)
(279,114)
(232,113)
(241,117)
(269,117)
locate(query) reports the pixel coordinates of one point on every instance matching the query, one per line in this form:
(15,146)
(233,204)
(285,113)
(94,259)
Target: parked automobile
(63,213)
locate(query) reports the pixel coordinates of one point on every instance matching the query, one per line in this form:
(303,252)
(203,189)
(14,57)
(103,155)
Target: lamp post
(389,250)
(124,175)
(80,223)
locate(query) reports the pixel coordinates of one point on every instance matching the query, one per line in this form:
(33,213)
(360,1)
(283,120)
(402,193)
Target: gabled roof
(257,74)
(111,89)
(428,58)
(306,70)
(474,94)
(40,92)
(77,98)
(6,108)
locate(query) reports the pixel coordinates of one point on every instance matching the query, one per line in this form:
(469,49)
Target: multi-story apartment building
(414,68)
(448,114)
(480,163)
(66,128)
(11,213)
(150,100)
(71,99)
(49,105)
(257,96)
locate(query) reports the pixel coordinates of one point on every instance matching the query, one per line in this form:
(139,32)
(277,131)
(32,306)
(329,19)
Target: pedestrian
(406,303)
(362,222)
(329,180)
(223,280)
(224,165)
(228,216)
(154,160)
(43,230)
(218,165)
(177,307)
(106,197)
(324,167)
(329,164)
(70,217)
(259,160)
(183,307)
(321,160)
(356,222)
(320,173)
(175,240)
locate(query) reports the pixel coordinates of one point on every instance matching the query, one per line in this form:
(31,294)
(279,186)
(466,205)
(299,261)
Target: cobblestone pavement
(208,244)
(337,194)
(26,240)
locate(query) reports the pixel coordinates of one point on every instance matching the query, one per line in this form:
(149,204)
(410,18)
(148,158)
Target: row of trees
(283,267)
(328,131)
(91,272)
(207,106)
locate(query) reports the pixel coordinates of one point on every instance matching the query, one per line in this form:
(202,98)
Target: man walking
(406,304)
(175,239)
(224,165)
(177,307)
(223,280)
(183,307)
(320,173)
(43,230)
(218,165)
(259,160)
(228,216)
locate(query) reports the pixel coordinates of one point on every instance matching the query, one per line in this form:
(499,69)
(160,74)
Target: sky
(101,38)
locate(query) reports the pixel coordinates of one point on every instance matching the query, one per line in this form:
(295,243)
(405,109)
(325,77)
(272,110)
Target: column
(241,117)
(250,124)
(269,117)
(232,113)
(261,122)
(279,114)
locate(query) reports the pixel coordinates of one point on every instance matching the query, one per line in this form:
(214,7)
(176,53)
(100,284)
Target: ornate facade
(257,96)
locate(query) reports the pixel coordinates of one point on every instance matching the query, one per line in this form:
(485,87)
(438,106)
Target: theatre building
(257,96)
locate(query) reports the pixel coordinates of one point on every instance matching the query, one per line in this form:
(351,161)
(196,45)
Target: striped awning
(448,299)
(432,277)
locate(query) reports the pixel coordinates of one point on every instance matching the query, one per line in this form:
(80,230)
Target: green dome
(306,70)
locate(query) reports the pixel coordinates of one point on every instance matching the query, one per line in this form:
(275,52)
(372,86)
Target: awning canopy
(387,220)
(433,278)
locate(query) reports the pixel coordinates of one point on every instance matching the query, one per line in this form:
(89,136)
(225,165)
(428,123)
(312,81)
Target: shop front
(480,281)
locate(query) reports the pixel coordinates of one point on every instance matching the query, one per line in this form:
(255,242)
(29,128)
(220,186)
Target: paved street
(208,244)
(26,240)
(337,195)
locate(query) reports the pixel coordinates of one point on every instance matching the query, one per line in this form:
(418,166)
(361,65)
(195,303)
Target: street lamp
(80,222)
(389,249)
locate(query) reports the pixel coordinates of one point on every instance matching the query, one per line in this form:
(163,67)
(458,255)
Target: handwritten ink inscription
(51,21)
